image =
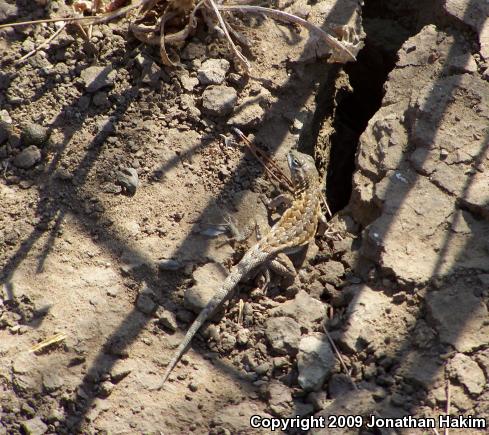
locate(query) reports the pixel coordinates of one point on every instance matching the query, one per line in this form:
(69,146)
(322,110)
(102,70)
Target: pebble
(28,157)
(34,426)
(219,100)
(121,369)
(283,334)
(306,310)
(145,302)
(280,399)
(5,126)
(51,381)
(8,12)
(207,278)
(34,134)
(167,319)
(100,99)
(105,389)
(97,77)
(243,336)
(315,361)
(129,180)
(213,71)
(169,265)
(228,342)
(468,373)
(331,272)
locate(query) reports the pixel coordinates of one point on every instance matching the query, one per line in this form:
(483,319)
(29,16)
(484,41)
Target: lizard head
(302,169)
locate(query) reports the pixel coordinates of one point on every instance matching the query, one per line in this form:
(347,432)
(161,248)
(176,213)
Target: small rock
(315,361)
(28,410)
(243,336)
(235,419)
(51,381)
(358,402)
(151,74)
(301,409)
(280,399)
(121,369)
(306,310)
(247,114)
(128,179)
(207,279)
(5,127)
(228,342)
(219,100)
(145,302)
(98,77)
(169,264)
(213,71)
(283,334)
(167,319)
(54,414)
(34,426)
(188,83)
(262,369)
(459,399)
(28,157)
(185,316)
(331,272)
(468,373)
(105,125)
(100,99)
(105,389)
(193,387)
(363,326)
(34,134)
(449,310)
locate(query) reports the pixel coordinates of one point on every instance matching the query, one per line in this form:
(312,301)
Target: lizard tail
(199,321)
(251,260)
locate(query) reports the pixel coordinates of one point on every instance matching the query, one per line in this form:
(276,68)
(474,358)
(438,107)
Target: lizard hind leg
(282,266)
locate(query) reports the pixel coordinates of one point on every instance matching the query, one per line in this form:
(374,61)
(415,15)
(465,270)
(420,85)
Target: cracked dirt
(116,181)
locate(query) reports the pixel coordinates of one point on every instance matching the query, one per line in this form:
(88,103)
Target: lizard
(294,230)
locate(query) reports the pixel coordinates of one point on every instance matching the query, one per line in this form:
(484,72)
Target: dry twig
(46,42)
(161,12)
(338,355)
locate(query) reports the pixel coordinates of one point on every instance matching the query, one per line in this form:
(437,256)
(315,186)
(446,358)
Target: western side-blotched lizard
(295,229)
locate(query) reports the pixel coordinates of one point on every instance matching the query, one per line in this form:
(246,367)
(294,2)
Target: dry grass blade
(284,16)
(88,20)
(46,42)
(51,341)
(338,355)
(224,28)
(163,54)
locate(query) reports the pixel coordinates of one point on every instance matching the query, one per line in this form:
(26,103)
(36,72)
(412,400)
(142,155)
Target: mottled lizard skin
(295,229)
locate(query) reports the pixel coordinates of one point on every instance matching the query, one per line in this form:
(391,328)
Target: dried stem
(46,42)
(338,355)
(284,16)
(224,28)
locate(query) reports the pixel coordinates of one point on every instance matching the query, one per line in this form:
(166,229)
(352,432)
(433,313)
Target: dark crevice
(387,25)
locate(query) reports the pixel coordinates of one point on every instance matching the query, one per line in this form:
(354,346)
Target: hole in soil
(386,31)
